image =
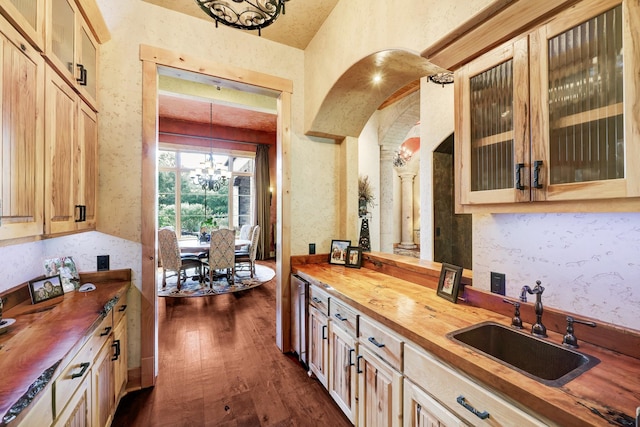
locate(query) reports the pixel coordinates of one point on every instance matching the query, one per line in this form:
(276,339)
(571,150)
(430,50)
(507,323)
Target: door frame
(152,58)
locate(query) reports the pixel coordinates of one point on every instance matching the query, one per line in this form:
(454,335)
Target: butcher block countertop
(45,336)
(607,394)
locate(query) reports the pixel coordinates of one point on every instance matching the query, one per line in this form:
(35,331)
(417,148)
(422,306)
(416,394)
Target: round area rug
(192,288)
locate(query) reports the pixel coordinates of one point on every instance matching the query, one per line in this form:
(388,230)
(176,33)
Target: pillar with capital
(406,179)
(387,176)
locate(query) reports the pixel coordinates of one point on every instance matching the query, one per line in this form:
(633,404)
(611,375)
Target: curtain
(263,201)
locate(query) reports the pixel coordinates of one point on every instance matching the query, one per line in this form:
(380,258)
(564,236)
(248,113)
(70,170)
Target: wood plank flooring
(219,366)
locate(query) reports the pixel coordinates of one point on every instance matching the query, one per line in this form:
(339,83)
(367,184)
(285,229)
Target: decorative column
(387,175)
(406,179)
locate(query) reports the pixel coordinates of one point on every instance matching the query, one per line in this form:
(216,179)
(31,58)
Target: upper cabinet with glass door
(72,49)
(27,16)
(549,116)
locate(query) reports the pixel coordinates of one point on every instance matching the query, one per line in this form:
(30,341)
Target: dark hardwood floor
(219,366)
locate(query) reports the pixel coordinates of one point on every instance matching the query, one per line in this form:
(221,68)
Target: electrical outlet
(498,281)
(312,248)
(103,262)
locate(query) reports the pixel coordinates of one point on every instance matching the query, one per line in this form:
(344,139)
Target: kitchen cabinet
(103,394)
(28,16)
(71,48)
(71,159)
(318,345)
(379,391)
(77,413)
(120,342)
(22,94)
(420,409)
(343,348)
(459,396)
(547,116)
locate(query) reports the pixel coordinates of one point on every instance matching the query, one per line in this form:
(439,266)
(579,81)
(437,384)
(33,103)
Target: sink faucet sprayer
(537,329)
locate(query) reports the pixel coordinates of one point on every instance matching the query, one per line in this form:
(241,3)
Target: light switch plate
(103,262)
(498,281)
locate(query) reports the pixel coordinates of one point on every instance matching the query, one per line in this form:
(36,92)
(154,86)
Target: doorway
(153,59)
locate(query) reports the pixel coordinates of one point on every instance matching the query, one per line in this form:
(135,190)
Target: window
(226,206)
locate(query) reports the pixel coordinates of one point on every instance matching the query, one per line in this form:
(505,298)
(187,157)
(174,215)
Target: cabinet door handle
(339,317)
(351,351)
(519,185)
(106,331)
(83,368)
(358,370)
(82,80)
(116,355)
(482,415)
(324,329)
(123,307)
(78,213)
(536,174)
(373,341)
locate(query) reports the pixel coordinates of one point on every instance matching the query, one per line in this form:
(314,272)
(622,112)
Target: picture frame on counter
(354,257)
(45,289)
(449,283)
(338,252)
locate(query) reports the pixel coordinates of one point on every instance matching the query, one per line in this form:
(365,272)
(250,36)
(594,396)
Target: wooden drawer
(119,310)
(72,377)
(319,299)
(381,341)
(343,316)
(460,394)
(39,413)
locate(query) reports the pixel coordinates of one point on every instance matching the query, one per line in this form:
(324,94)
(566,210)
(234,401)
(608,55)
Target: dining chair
(249,256)
(221,254)
(172,260)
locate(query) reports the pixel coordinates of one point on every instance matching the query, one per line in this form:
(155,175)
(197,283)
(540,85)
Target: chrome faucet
(537,329)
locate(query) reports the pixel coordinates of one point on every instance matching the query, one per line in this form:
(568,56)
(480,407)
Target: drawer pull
(83,368)
(123,308)
(358,370)
(316,300)
(373,341)
(339,317)
(482,415)
(106,331)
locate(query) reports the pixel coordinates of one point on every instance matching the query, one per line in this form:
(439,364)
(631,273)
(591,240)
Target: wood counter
(607,394)
(45,336)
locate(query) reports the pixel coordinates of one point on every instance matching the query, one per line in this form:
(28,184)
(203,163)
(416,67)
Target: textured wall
(589,264)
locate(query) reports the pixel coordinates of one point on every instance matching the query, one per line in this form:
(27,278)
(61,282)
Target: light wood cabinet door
(342,369)
(318,345)
(21,159)
(28,16)
(71,48)
(421,410)
(103,395)
(550,115)
(120,358)
(87,167)
(62,155)
(379,391)
(77,413)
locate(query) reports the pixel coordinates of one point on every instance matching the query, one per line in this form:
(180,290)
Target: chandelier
(441,78)
(210,175)
(243,14)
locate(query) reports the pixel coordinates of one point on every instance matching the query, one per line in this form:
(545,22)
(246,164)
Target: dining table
(195,246)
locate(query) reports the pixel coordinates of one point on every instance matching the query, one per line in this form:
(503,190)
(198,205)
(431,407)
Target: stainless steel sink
(549,363)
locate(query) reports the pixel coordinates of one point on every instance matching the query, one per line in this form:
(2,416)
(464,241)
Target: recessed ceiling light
(377,78)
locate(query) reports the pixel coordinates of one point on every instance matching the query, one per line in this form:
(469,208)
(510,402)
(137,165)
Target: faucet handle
(570,340)
(516,322)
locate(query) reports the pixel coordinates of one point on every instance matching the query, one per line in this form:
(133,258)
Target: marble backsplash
(589,264)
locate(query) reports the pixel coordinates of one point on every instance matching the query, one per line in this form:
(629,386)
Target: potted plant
(206,227)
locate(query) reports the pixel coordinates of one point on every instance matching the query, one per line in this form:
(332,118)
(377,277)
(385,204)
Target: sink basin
(546,362)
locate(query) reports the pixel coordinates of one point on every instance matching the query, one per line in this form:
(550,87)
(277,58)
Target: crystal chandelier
(210,175)
(243,14)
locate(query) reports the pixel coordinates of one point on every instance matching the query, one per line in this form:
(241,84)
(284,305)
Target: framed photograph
(449,284)
(44,289)
(354,257)
(338,252)
(66,268)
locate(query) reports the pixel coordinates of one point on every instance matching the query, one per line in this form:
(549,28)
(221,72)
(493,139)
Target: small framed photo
(45,289)
(449,284)
(338,253)
(354,257)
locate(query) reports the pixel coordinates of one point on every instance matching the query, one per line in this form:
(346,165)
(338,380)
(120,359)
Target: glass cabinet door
(494,126)
(88,65)
(28,16)
(581,145)
(63,38)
